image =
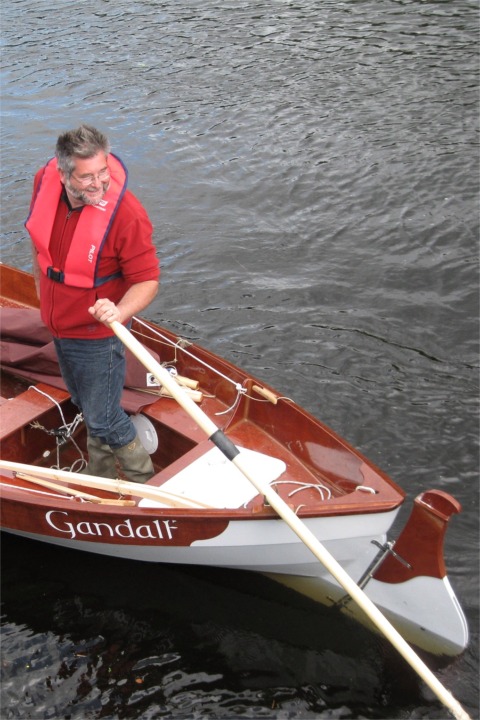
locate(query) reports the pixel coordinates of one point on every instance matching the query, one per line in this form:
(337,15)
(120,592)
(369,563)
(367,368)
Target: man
(94,262)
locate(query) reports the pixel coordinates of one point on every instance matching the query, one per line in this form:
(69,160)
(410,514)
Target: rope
(62,433)
(240,391)
(304,486)
(180,344)
(41,392)
(366,488)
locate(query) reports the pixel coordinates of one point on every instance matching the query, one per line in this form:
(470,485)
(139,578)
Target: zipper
(62,253)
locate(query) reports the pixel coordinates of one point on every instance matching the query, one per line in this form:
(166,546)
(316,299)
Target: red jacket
(127,254)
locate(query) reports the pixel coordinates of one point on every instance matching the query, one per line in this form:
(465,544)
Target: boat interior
(309,466)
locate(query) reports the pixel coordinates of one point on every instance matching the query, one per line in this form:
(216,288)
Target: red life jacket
(83,256)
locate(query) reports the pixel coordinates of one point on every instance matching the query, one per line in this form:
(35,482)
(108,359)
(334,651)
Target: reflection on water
(312,174)
(80,633)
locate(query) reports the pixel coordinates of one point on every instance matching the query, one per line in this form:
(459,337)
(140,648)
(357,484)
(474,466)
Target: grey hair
(84,142)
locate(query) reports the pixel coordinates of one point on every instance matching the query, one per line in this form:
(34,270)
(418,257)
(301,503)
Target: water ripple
(312,174)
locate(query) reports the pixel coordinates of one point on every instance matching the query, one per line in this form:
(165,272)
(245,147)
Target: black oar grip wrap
(224,444)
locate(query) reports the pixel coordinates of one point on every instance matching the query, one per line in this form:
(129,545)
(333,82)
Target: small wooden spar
(194,395)
(75,493)
(267,394)
(121,487)
(187,382)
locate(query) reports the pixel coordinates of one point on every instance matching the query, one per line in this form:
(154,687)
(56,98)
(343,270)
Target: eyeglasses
(86,180)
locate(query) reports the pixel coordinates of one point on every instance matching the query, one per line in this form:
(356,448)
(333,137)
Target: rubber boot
(135,461)
(101,460)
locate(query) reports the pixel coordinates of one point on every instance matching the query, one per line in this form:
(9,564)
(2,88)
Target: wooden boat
(199,509)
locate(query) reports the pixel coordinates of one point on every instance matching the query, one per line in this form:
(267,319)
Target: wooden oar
(121,487)
(75,493)
(233,454)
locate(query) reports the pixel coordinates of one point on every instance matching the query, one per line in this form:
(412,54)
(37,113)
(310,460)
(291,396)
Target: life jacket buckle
(56,274)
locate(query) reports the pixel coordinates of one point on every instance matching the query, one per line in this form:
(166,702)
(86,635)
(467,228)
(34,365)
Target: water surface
(311,170)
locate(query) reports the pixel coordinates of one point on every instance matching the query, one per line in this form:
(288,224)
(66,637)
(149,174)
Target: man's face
(89,181)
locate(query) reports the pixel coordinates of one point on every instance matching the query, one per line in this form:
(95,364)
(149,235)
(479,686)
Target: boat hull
(267,546)
(413,607)
(270,547)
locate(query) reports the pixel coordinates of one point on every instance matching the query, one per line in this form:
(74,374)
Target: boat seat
(206,476)
(169,413)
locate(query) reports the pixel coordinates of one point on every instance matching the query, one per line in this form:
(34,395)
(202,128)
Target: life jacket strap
(107,278)
(55,274)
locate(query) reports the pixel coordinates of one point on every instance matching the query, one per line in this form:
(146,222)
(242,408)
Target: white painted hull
(270,547)
(267,546)
(413,607)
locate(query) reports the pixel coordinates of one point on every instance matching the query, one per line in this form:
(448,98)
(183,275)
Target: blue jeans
(94,373)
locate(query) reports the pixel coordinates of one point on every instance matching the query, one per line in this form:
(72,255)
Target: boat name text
(155,530)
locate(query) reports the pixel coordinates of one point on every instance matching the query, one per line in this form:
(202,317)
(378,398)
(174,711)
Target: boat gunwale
(12,490)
